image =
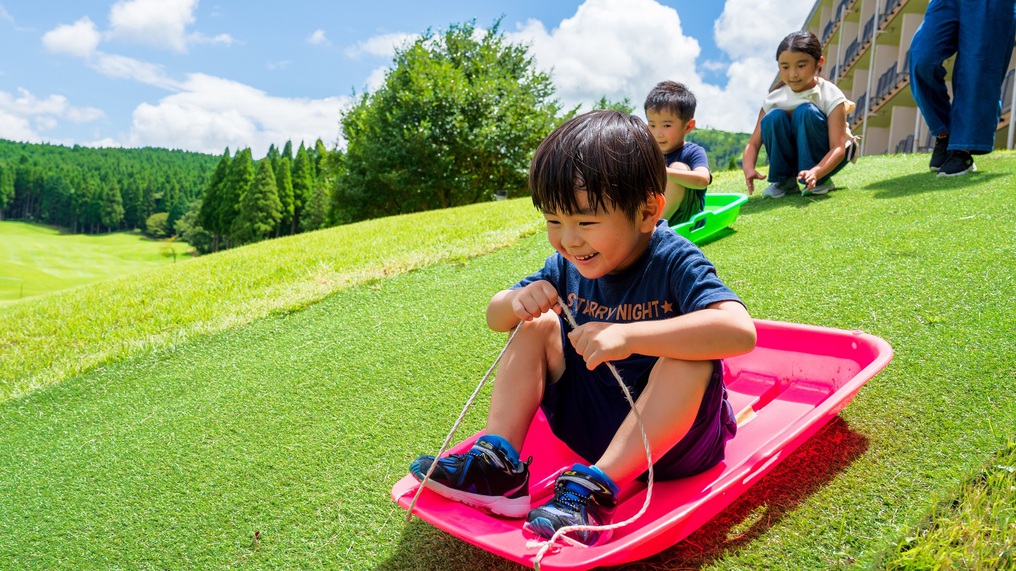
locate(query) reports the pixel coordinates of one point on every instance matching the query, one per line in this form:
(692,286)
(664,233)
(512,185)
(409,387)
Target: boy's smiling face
(602,242)
(668,129)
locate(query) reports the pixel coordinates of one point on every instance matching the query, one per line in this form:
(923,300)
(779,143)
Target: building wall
(866,44)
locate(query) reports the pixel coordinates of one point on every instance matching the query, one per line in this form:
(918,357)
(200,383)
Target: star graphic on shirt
(667,307)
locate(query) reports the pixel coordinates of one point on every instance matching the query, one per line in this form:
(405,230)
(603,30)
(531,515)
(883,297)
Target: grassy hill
(251,409)
(36,259)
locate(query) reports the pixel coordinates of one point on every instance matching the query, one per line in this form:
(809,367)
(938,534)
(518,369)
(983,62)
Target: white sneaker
(820,189)
(780,189)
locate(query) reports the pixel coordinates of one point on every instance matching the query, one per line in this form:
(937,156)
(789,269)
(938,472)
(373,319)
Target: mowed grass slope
(271,440)
(36,259)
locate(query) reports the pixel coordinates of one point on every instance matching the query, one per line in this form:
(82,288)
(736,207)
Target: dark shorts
(585,408)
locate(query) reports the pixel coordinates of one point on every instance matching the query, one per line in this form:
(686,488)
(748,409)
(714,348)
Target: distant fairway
(37,259)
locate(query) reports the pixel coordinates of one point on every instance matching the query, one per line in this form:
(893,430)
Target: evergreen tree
(238,179)
(208,212)
(111,212)
(176,211)
(6,187)
(315,213)
(260,209)
(284,184)
(287,151)
(303,184)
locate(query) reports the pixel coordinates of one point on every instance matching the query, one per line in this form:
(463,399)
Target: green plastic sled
(721,210)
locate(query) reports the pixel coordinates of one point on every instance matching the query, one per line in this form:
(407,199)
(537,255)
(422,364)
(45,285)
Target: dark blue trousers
(796,142)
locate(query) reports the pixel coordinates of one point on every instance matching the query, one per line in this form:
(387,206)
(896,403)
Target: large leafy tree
(457,118)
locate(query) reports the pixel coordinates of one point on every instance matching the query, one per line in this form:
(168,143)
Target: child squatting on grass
(803,124)
(670,112)
(645,299)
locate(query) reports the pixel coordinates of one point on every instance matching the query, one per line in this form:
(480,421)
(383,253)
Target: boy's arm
(723,329)
(695,179)
(510,307)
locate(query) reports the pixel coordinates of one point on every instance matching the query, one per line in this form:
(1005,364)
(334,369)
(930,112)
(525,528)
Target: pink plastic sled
(797,379)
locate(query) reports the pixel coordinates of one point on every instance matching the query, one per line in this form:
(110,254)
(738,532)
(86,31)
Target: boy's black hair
(610,155)
(674,97)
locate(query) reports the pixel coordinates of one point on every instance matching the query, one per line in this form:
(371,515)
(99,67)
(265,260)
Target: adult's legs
(985,39)
(935,41)
(778,138)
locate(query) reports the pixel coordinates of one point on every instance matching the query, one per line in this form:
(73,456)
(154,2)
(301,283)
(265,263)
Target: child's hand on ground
(599,342)
(534,300)
(809,178)
(751,177)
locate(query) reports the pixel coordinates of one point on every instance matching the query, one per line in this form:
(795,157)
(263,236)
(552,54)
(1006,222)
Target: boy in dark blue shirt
(644,298)
(670,111)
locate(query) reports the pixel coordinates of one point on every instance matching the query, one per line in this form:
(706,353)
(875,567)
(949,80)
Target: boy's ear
(652,212)
(689,126)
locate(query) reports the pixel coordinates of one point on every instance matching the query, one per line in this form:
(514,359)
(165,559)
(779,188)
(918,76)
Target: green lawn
(36,259)
(251,410)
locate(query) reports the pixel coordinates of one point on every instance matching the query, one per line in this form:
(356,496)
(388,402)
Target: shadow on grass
(917,183)
(813,465)
(790,201)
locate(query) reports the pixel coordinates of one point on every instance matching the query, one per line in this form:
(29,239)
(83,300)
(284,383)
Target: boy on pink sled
(645,299)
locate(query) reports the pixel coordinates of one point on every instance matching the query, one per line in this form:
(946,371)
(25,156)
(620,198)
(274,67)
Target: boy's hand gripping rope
(544,546)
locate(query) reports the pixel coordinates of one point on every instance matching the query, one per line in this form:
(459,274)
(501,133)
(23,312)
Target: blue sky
(201,75)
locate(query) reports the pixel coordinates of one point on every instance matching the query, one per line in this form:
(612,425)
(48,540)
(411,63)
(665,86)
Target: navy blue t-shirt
(671,278)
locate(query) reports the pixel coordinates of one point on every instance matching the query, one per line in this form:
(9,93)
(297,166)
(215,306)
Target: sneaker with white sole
(780,189)
(484,477)
(823,188)
(958,163)
(580,498)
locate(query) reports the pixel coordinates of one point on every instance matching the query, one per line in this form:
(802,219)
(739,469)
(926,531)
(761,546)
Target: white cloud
(739,33)
(622,48)
(123,67)
(613,48)
(161,23)
(318,38)
(25,117)
(4,15)
(79,39)
(380,46)
(211,113)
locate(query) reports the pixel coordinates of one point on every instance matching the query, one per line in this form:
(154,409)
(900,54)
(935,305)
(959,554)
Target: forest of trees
(456,119)
(90,190)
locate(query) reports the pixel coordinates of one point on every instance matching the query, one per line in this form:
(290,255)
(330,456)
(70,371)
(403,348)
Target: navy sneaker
(940,153)
(580,498)
(484,478)
(959,162)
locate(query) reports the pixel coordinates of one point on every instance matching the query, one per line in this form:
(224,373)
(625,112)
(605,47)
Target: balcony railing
(906,144)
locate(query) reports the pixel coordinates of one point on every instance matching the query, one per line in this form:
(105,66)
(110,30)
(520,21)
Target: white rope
(559,534)
(458,421)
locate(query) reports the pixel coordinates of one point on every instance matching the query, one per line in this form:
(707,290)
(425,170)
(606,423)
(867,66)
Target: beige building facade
(866,44)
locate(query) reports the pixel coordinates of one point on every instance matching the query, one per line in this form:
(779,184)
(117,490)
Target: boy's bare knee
(678,165)
(684,370)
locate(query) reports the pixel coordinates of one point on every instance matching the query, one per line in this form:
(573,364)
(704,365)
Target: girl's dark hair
(610,155)
(804,42)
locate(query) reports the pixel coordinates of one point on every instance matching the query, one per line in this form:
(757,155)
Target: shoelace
(571,498)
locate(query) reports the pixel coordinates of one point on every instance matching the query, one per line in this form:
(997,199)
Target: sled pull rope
(458,421)
(559,534)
